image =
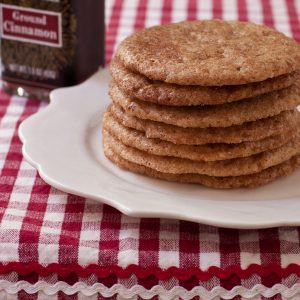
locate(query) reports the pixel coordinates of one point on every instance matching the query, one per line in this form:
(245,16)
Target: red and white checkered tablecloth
(59,246)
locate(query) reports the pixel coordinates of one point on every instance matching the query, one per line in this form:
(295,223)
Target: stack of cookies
(207,102)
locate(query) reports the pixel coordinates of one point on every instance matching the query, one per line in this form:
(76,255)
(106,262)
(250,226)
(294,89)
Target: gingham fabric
(59,246)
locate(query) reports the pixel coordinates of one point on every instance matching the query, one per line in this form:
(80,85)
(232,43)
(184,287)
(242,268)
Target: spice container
(47,44)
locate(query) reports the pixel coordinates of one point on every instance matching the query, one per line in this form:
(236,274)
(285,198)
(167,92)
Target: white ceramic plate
(63,142)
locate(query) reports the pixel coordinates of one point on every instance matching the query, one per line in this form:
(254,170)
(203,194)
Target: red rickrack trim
(182,274)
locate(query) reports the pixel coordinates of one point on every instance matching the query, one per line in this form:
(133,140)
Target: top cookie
(209,53)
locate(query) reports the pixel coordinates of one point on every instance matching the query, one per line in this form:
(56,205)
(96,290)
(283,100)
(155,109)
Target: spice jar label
(31,25)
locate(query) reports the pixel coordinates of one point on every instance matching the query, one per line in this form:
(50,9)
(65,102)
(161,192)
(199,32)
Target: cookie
(209,53)
(252,131)
(209,152)
(250,181)
(223,115)
(138,86)
(232,167)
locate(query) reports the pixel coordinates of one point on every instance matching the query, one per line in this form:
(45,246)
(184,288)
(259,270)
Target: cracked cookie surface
(209,53)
